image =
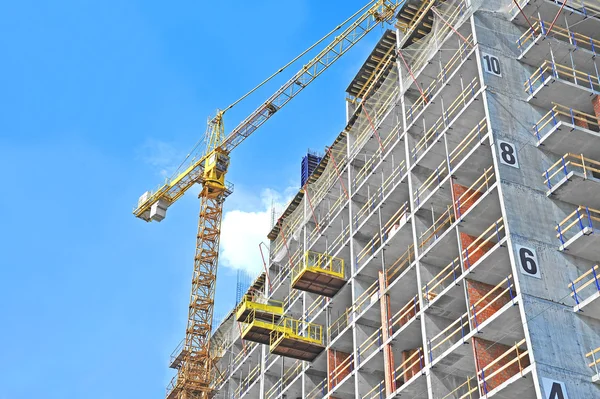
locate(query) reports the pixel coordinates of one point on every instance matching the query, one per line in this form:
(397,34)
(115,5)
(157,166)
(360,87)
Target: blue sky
(99,100)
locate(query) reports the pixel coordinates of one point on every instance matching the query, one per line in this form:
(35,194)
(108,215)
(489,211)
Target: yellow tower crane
(196,372)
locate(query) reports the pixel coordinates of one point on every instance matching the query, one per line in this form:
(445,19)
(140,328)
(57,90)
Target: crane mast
(195,370)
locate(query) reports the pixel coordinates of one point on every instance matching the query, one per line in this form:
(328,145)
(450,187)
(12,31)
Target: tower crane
(208,168)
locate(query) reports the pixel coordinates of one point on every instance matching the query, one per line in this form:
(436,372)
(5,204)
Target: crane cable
(283,68)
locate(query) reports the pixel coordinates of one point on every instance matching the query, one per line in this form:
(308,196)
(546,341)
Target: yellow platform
(264,309)
(297,339)
(319,274)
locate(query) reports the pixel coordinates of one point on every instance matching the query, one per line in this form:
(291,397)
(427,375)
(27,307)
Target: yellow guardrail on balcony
(297,330)
(289,375)
(582,218)
(470,91)
(595,357)
(540,29)
(582,282)
(260,304)
(569,163)
(318,263)
(560,113)
(438,82)
(319,391)
(586,7)
(441,224)
(550,69)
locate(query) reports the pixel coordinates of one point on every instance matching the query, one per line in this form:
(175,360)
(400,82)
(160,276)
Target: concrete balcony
(574,179)
(585,290)
(594,357)
(552,82)
(579,233)
(565,46)
(569,130)
(584,13)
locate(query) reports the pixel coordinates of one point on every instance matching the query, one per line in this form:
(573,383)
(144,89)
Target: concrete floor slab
(559,91)
(577,189)
(585,244)
(566,137)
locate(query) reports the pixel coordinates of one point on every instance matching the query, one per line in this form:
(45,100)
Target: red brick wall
(334,359)
(477,291)
(596,105)
(470,196)
(581,122)
(410,371)
(474,255)
(486,352)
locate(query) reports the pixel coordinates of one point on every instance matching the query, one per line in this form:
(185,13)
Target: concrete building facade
(448,244)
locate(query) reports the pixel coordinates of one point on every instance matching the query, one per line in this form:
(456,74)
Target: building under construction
(447,243)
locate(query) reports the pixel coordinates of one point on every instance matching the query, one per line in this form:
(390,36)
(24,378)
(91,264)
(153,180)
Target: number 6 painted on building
(528,261)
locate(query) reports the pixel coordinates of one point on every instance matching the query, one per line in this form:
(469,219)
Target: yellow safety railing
(589,278)
(582,218)
(247,381)
(319,391)
(475,190)
(341,370)
(595,360)
(376,114)
(376,241)
(416,358)
(441,224)
(570,163)
(261,303)
(554,70)
(297,329)
(477,132)
(289,375)
(376,392)
(337,205)
(500,291)
(317,262)
(561,114)
(367,295)
(406,313)
(369,345)
(465,390)
(459,328)
(400,264)
(340,323)
(485,374)
(541,29)
(490,237)
(437,284)
(315,307)
(438,82)
(444,120)
(289,300)
(369,166)
(338,242)
(586,7)
(435,177)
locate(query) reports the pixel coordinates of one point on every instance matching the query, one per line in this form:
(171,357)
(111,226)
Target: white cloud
(243,230)
(161,155)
